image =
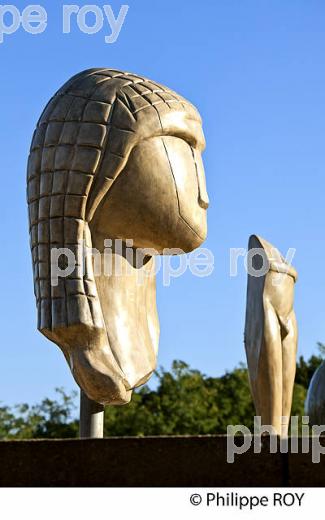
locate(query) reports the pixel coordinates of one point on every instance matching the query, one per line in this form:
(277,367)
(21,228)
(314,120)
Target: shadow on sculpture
(270,333)
(115,157)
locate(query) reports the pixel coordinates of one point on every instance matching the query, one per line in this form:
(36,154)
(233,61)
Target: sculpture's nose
(203,198)
(203,194)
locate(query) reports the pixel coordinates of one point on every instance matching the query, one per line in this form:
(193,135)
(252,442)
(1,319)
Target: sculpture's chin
(183,238)
(191,237)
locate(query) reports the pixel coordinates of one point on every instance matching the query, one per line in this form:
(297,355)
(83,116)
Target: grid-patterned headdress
(81,144)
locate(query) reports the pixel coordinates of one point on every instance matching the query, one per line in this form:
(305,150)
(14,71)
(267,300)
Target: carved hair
(81,144)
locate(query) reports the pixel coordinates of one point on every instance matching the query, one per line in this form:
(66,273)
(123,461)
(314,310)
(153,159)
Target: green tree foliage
(51,419)
(184,402)
(306,369)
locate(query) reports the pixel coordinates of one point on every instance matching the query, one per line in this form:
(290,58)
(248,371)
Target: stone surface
(302,472)
(114,156)
(270,333)
(151,461)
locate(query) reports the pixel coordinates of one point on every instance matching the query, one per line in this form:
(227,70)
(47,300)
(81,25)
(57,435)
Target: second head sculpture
(270,334)
(114,156)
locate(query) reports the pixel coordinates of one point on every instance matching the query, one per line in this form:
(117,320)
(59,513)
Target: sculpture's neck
(128,299)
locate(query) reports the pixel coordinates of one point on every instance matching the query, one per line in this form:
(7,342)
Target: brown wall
(152,461)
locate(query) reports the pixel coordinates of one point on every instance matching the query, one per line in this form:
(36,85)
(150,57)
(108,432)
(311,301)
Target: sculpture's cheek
(155,201)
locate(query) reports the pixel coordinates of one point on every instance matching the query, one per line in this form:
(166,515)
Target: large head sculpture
(114,156)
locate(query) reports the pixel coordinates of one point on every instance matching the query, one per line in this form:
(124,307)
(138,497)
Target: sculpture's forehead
(142,103)
(158,108)
(94,121)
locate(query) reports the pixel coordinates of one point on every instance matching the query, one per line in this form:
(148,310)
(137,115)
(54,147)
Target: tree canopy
(183,402)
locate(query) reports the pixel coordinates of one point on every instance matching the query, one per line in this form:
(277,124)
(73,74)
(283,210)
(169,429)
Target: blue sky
(256,71)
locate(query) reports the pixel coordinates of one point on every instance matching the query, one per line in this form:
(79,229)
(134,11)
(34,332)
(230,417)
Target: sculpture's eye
(191,141)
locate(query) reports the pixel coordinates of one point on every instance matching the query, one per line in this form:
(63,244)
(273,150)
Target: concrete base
(151,462)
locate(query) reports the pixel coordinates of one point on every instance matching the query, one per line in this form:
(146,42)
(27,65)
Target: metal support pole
(91,423)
